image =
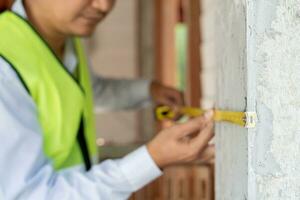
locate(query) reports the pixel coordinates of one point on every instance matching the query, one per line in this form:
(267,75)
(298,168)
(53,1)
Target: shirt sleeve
(120,94)
(26,173)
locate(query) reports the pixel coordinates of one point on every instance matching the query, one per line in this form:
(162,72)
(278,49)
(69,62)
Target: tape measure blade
(232,117)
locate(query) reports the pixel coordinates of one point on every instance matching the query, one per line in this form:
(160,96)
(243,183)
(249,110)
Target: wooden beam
(193,89)
(166,19)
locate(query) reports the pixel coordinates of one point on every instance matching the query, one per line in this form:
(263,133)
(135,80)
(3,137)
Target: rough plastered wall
(258,57)
(276,145)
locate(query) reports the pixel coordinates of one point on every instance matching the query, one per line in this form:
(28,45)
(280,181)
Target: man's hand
(184,142)
(163,95)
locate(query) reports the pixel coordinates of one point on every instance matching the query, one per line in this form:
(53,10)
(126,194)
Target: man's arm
(120,94)
(26,173)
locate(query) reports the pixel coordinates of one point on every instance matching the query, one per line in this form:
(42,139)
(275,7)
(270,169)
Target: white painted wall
(258,58)
(208,65)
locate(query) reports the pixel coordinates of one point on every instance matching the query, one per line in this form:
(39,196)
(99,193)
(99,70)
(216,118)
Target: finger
(193,125)
(176,97)
(177,112)
(211,161)
(205,135)
(208,153)
(166,101)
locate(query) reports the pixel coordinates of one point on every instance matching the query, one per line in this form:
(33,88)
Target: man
(47,131)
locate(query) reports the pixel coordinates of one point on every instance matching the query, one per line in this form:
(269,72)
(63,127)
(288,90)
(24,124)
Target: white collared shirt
(25,171)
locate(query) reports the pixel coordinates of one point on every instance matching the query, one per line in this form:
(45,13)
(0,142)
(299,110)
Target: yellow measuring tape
(245,119)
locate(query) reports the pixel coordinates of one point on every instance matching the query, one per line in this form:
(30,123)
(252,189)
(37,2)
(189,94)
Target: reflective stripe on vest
(64,104)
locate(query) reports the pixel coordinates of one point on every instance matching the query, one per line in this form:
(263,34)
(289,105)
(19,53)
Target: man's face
(75,17)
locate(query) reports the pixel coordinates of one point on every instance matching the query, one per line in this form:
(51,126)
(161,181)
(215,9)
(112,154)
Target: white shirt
(25,171)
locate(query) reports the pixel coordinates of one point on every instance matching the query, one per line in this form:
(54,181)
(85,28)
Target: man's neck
(55,39)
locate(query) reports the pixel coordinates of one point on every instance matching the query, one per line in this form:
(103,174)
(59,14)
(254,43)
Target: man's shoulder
(11,86)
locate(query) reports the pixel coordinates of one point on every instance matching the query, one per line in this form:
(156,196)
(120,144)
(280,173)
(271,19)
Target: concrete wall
(231,63)
(257,58)
(275,160)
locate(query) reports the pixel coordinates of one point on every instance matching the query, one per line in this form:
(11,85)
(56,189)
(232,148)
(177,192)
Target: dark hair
(5,5)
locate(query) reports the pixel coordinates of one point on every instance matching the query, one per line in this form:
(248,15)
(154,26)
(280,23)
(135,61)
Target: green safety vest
(64,103)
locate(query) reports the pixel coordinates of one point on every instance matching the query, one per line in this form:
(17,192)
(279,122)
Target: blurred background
(170,41)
